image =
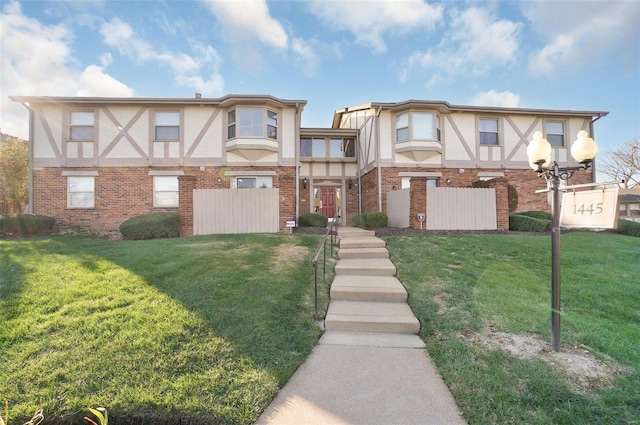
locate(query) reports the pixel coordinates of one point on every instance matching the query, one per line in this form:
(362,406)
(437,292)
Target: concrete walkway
(370,366)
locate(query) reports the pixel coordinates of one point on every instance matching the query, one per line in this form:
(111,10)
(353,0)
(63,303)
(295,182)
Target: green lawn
(462,283)
(206,329)
(203,328)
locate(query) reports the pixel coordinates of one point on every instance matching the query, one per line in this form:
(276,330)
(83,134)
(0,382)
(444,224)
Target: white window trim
(155,174)
(93,126)
(564,132)
(80,174)
(498,130)
(436,123)
(155,125)
(264,124)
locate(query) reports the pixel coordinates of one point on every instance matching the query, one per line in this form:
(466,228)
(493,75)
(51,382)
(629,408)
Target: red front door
(328,201)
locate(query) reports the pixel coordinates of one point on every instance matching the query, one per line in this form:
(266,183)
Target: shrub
(313,220)
(359,220)
(629,228)
(26,224)
(540,215)
(375,220)
(152,226)
(524,223)
(370,220)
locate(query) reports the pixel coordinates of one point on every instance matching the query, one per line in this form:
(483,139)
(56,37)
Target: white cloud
(579,32)
(371,21)
(475,43)
(37,61)
(504,99)
(94,82)
(244,20)
(187,68)
(308,58)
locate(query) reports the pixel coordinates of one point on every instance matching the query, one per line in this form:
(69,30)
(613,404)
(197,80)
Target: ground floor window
(165,191)
(252,183)
(81,192)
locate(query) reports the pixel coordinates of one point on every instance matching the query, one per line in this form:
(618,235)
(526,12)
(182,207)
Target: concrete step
(355,316)
(365,267)
(361,242)
(348,232)
(363,253)
(372,339)
(367,288)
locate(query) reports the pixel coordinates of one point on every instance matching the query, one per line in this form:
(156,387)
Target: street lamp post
(583,150)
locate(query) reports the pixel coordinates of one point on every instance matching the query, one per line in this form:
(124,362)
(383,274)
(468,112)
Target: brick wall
(122,193)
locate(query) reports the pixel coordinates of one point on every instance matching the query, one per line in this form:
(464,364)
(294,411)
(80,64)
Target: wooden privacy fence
(235,211)
(461,209)
(398,208)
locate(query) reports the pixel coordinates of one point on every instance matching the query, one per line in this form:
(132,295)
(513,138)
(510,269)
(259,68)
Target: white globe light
(584,149)
(539,149)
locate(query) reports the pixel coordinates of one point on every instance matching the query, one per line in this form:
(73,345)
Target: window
(252,183)
(319,148)
(406,182)
(305,147)
(402,127)
(422,125)
(417,126)
(165,191)
(81,125)
(488,131)
(80,192)
(555,133)
(252,122)
(167,125)
(342,148)
(337,146)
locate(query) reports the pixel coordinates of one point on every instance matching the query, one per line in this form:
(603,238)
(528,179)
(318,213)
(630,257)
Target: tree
(14,175)
(623,163)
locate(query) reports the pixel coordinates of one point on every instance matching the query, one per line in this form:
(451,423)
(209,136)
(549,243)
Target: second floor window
(331,148)
(81,125)
(488,131)
(167,125)
(555,133)
(418,126)
(252,122)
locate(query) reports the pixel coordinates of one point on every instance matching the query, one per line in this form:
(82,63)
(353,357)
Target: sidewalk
(369,367)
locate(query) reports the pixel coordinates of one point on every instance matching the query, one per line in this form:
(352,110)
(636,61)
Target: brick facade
(125,192)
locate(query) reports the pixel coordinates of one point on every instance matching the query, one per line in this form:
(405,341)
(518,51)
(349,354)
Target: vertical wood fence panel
(461,209)
(235,211)
(398,208)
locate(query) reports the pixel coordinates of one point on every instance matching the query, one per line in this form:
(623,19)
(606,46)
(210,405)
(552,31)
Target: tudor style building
(95,162)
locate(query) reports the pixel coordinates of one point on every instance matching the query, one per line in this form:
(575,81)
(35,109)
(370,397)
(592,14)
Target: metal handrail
(331,234)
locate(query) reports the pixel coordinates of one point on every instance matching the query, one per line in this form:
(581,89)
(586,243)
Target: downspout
(297,162)
(377,128)
(30,147)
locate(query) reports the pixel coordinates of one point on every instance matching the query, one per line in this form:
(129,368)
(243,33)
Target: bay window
(418,126)
(252,122)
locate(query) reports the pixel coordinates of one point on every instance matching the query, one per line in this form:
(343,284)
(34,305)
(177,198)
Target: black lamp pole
(554,174)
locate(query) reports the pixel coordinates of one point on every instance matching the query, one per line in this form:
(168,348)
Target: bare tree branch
(623,163)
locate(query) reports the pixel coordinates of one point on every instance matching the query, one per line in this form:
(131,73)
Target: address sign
(590,208)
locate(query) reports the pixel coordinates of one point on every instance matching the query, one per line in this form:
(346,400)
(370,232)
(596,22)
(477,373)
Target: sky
(540,54)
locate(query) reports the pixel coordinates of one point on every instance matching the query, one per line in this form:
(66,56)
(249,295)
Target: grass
(462,283)
(197,330)
(206,329)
